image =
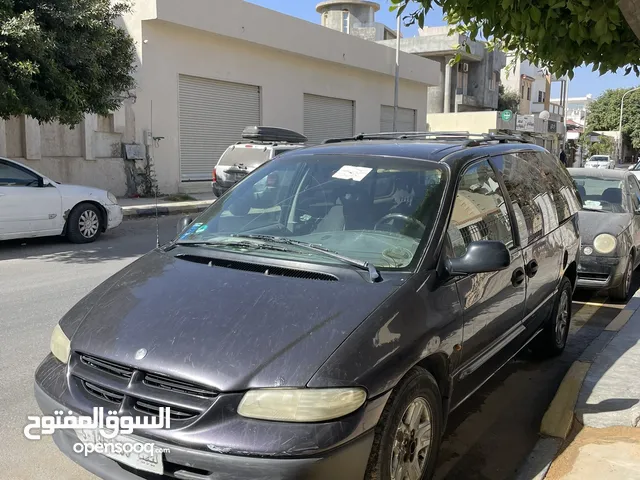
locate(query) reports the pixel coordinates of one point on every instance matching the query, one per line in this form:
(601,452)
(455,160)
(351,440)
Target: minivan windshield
(245,155)
(379,210)
(599,158)
(606,194)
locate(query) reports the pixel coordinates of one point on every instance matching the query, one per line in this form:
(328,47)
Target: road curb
(560,416)
(130,212)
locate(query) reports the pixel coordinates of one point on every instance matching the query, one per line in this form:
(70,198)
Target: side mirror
(481,256)
(183,223)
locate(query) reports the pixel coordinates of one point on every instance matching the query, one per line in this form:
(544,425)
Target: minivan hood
(228,329)
(593,224)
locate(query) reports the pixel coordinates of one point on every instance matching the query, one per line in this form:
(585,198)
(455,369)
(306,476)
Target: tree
(508,100)
(558,34)
(62,59)
(603,146)
(604,114)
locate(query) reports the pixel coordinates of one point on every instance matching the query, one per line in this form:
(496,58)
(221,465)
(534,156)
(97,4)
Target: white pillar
(447,85)
(32,139)
(3,138)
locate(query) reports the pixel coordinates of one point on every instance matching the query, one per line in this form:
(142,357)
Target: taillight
(214,178)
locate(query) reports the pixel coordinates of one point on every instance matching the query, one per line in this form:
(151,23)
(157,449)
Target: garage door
(327,117)
(405,122)
(212,116)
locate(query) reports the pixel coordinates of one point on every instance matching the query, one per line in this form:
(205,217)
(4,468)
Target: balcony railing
(554,108)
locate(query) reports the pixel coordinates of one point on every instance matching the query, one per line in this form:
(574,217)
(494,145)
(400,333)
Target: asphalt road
(487,437)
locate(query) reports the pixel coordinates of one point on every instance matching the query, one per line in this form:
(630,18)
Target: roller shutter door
(406,121)
(327,117)
(212,114)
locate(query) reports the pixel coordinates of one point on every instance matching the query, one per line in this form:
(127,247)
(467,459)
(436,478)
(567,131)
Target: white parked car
(635,169)
(32,205)
(600,161)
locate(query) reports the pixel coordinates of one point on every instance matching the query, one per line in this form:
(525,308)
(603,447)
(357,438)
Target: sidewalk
(172,204)
(590,430)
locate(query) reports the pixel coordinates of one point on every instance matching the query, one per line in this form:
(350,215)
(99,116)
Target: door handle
(518,277)
(532,268)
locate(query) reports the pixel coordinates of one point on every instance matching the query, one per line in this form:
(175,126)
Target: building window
(529,92)
(541,96)
(345,21)
(522,91)
(325,16)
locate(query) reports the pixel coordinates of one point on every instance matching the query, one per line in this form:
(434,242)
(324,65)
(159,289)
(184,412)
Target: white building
(577,108)
(208,69)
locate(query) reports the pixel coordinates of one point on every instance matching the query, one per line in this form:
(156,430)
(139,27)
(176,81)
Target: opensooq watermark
(101,433)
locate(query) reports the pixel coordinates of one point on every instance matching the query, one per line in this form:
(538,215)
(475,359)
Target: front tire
(84,224)
(407,437)
(621,292)
(553,339)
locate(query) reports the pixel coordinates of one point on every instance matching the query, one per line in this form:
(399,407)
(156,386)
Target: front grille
(107,366)
(103,393)
(134,390)
(166,383)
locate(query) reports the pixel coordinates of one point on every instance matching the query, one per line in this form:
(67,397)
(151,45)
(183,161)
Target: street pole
(620,125)
(397,82)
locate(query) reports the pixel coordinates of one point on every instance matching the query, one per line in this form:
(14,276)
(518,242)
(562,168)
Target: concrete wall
(435,102)
(81,155)
(284,78)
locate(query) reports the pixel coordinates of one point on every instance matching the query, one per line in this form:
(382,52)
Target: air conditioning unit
(465,67)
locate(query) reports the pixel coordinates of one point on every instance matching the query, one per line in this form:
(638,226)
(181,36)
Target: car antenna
(157,219)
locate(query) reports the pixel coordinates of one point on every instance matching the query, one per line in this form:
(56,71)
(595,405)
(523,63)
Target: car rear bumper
(600,272)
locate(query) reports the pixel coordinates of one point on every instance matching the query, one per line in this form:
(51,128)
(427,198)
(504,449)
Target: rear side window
(479,211)
(240,155)
(559,182)
(531,199)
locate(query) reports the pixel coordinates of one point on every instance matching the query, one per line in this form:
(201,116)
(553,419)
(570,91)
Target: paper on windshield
(593,204)
(350,172)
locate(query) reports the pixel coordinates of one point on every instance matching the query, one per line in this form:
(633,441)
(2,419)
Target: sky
(584,82)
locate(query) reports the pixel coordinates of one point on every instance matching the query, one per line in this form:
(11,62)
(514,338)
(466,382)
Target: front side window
(375,209)
(604,194)
(12,176)
(634,191)
(479,211)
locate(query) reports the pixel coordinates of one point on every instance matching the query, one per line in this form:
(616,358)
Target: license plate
(125,450)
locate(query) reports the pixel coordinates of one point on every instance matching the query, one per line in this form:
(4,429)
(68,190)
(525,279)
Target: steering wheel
(400,216)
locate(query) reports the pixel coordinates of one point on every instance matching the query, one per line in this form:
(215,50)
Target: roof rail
(471,139)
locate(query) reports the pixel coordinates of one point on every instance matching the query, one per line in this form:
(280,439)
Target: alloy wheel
(562,318)
(412,442)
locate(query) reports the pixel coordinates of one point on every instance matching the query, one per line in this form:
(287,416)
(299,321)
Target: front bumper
(115,216)
(185,459)
(596,272)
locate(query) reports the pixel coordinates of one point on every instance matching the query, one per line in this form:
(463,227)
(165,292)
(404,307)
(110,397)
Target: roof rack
(470,139)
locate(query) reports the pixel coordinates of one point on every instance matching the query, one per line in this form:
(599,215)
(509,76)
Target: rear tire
(621,292)
(408,434)
(84,224)
(553,338)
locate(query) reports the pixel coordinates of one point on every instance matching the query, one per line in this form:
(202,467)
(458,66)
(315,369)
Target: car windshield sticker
(349,172)
(202,229)
(192,229)
(593,204)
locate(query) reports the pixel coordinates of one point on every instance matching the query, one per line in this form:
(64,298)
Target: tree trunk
(631,11)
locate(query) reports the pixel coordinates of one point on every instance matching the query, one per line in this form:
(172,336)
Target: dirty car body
(332,289)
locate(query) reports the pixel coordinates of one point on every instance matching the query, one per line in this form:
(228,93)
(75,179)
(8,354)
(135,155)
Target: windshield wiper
(593,209)
(374,273)
(211,243)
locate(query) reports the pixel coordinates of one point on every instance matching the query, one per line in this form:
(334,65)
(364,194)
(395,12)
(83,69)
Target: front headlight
(60,344)
(301,405)
(604,243)
(112,198)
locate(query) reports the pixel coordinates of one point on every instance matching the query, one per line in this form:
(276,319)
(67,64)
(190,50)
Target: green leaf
(535,14)
(601,26)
